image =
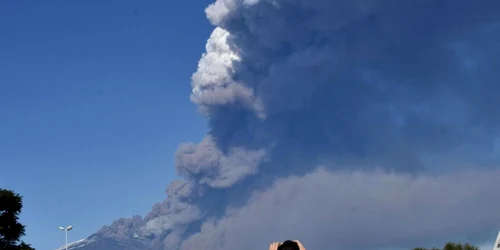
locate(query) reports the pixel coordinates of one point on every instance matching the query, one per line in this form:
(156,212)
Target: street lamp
(66,232)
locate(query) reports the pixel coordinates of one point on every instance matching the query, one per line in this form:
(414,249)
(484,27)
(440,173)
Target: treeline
(451,246)
(11,230)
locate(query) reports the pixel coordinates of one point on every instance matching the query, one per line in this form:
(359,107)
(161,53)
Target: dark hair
(289,245)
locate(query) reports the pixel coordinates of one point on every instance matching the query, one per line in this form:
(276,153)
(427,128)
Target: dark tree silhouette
(11,230)
(452,246)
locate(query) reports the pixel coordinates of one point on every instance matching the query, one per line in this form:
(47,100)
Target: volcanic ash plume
(345,123)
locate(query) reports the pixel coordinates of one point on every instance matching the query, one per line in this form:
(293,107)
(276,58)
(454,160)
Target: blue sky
(94,100)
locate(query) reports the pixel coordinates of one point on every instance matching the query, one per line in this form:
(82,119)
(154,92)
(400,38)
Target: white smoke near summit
(347,124)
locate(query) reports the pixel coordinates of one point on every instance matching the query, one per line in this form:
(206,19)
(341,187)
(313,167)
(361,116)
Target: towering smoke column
(346,123)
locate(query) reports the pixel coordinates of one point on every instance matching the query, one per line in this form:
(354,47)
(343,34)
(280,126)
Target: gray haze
(348,124)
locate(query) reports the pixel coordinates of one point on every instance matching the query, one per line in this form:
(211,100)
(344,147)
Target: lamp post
(66,229)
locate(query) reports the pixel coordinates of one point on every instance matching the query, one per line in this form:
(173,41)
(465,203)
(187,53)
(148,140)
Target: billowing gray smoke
(346,123)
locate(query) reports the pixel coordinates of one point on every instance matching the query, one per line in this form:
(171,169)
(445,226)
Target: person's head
(288,245)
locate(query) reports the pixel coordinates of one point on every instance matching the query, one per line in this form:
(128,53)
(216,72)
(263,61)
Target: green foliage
(452,246)
(11,230)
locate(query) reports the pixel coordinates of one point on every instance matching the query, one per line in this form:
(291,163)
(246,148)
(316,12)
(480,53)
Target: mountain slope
(99,242)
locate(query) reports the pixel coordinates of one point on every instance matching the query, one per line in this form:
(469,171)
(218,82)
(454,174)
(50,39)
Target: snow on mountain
(76,244)
(100,242)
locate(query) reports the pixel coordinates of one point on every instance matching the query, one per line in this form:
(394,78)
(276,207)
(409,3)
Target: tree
(452,246)
(11,230)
